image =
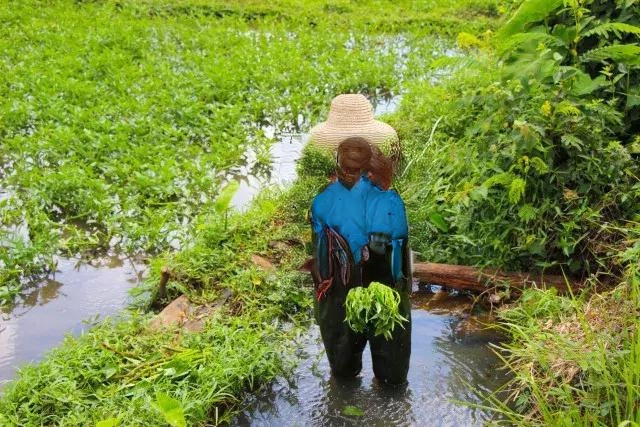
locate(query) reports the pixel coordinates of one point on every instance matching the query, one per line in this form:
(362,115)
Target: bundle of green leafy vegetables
(375,307)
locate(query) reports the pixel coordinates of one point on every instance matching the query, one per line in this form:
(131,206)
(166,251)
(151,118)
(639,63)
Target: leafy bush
(530,153)
(529,159)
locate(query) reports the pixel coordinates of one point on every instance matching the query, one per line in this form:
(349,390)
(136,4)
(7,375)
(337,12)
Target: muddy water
(69,301)
(451,363)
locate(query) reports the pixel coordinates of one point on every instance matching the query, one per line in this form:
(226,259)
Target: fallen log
(465,278)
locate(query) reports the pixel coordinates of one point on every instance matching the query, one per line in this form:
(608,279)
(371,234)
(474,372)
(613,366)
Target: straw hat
(351,115)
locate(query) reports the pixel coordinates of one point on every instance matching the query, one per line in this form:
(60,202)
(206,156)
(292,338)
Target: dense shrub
(531,150)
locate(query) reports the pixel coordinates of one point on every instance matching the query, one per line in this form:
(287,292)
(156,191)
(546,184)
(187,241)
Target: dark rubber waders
(344,347)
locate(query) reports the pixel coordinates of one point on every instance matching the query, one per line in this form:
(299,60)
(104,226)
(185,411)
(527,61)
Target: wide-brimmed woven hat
(351,115)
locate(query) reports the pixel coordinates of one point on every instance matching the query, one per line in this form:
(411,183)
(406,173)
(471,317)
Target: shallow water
(69,301)
(18,232)
(285,152)
(451,363)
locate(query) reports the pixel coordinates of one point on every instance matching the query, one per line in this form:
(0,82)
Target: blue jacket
(357,214)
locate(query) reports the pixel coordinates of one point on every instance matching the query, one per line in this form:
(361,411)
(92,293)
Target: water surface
(451,363)
(67,302)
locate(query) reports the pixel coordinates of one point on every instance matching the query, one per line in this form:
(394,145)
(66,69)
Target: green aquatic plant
(119,136)
(171,410)
(121,122)
(375,307)
(352,411)
(121,372)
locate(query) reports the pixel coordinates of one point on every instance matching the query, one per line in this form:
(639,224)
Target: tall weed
(575,359)
(533,150)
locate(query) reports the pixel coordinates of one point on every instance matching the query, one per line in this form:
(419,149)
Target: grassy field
(122,124)
(122,121)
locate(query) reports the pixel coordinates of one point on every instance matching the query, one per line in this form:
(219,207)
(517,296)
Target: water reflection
(61,304)
(284,153)
(386,105)
(449,365)
(16,231)
(42,294)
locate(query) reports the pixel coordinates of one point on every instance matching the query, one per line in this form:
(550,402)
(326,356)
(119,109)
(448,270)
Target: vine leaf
(438,221)
(617,28)
(171,409)
(352,411)
(626,53)
(528,12)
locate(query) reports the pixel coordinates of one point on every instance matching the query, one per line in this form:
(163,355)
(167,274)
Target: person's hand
(378,243)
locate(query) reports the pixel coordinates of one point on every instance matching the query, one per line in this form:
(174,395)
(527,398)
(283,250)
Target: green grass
(575,359)
(120,121)
(525,158)
(120,125)
(127,373)
(106,374)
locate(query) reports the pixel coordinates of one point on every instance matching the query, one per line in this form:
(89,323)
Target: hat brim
(376,132)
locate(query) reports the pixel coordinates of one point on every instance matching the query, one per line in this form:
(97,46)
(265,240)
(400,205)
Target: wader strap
(340,263)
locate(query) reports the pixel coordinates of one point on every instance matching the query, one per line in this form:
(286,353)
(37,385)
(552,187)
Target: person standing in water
(360,235)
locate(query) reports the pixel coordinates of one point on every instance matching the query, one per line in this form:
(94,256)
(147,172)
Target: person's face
(353,161)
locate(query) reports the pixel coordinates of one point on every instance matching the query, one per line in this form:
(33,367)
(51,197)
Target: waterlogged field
(123,125)
(122,121)
(118,130)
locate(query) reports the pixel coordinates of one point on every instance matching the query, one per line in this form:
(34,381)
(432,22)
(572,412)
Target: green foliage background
(123,121)
(526,157)
(519,159)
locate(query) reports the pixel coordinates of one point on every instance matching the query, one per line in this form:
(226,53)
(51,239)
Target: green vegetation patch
(525,157)
(124,372)
(120,121)
(374,308)
(119,370)
(520,154)
(576,360)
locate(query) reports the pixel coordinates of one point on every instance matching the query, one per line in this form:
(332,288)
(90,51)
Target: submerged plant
(376,306)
